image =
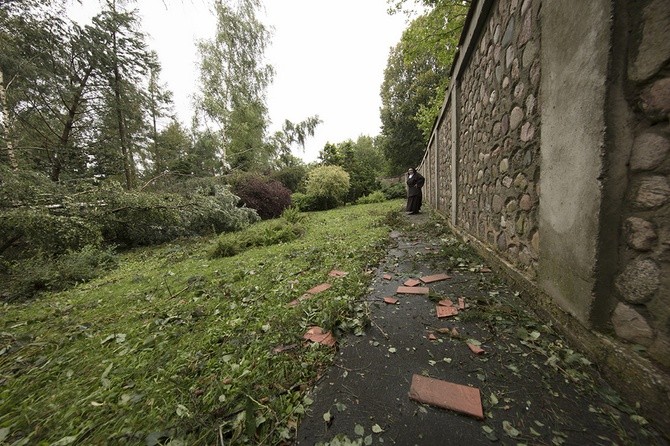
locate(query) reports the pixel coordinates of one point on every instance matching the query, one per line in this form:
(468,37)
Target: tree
(362,160)
(160,106)
(416,78)
(124,66)
(49,65)
(291,134)
(234,79)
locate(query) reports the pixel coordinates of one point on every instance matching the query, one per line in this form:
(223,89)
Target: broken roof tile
(317,334)
(443,311)
(412,290)
(435,278)
(391,300)
(477,350)
(387,277)
(337,273)
(432,337)
(319,288)
(447,395)
(411,282)
(446,303)
(461,303)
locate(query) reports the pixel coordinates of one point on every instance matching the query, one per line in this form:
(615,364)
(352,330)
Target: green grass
(176,347)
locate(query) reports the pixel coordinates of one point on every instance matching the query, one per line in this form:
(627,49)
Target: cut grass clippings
(178,347)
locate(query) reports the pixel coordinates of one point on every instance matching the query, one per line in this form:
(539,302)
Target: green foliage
(292,214)
(375,197)
(416,78)
(40,232)
(182,345)
(40,273)
(327,186)
(303,201)
(269,233)
(396,190)
(362,160)
(291,176)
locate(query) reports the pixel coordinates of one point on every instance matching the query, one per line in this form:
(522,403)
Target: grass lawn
(177,347)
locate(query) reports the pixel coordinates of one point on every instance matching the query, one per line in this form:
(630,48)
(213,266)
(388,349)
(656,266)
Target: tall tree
(234,79)
(160,107)
(416,77)
(125,65)
(50,65)
(283,141)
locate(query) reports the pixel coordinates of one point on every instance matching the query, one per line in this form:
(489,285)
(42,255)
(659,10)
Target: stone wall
(642,313)
(552,155)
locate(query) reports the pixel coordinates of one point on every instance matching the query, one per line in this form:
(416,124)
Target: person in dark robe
(414,184)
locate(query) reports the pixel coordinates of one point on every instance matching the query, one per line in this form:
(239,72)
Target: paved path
(534,388)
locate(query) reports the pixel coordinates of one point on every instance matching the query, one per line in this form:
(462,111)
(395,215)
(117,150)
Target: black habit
(414,196)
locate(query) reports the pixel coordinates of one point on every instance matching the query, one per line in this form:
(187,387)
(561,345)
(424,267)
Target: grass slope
(177,347)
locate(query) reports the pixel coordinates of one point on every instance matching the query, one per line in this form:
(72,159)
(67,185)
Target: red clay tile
(337,273)
(443,311)
(411,282)
(446,303)
(412,290)
(435,278)
(319,288)
(447,395)
(484,269)
(317,334)
(432,337)
(387,277)
(391,300)
(477,350)
(461,303)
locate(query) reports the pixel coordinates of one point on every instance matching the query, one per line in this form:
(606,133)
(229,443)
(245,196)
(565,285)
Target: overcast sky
(329,58)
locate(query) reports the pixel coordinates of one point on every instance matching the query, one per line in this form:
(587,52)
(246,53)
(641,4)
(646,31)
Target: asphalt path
(533,387)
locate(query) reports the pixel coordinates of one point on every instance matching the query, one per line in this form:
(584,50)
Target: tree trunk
(64,139)
(5,125)
(125,151)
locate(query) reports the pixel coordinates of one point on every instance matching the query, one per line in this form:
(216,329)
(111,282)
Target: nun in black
(414,184)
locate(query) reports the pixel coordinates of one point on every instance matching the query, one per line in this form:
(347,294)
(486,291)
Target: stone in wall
(631,326)
(639,281)
(649,151)
(640,234)
(655,101)
(654,48)
(653,192)
(660,349)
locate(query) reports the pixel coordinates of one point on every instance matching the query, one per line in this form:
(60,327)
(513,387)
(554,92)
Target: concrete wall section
(574,62)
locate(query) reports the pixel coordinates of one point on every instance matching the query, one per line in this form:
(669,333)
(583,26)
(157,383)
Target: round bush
(267,196)
(328,186)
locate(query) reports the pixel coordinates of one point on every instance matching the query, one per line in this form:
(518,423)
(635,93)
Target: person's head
(410,171)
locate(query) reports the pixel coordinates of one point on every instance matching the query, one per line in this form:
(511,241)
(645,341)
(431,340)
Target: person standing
(415,182)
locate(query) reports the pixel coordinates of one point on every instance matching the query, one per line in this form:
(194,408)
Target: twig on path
(379,328)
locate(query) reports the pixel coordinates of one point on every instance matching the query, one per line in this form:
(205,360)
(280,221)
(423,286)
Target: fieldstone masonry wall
(552,151)
(642,313)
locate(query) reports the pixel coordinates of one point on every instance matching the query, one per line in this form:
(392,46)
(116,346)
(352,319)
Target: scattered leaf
(494,399)
(327,417)
(510,430)
(359,430)
(377,429)
(392,350)
(340,407)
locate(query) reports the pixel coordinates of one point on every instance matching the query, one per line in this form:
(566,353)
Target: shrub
(292,214)
(328,186)
(292,177)
(303,202)
(28,277)
(267,196)
(36,230)
(394,191)
(270,233)
(375,197)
